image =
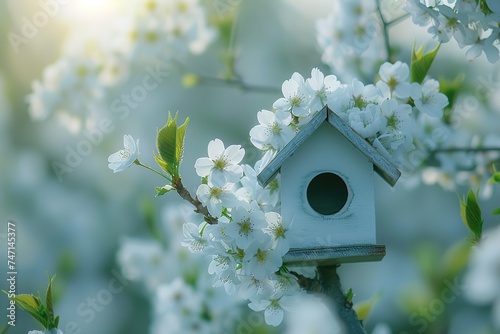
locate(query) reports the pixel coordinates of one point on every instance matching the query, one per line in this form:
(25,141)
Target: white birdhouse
(327,192)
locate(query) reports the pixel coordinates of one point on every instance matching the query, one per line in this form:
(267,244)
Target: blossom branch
(465,149)
(199,207)
(385,31)
(328,285)
(240,84)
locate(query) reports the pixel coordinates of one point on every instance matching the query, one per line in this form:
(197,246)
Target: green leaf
(166,145)
(48,301)
(496,211)
(5,329)
(364,308)
(170,145)
(420,63)
(161,163)
(495,178)
(180,140)
(34,306)
(471,215)
(160,191)
(349,296)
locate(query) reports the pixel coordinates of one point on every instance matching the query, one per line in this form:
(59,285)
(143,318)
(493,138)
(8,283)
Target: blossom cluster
(350,39)
(247,245)
(383,113)
(93,61)
(183,300)
(470,23)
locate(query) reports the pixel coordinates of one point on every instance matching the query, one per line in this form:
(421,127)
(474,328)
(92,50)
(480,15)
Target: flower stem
(137,162)
(199,207)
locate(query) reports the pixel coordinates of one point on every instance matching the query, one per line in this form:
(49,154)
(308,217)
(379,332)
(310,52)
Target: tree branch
(199,207)
(328,285)
(239,83)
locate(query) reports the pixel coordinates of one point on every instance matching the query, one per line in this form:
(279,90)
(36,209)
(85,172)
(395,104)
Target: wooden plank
(268,173)
(334,255)
(382,165)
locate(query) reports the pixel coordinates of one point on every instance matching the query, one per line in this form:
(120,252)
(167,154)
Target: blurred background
(73,224)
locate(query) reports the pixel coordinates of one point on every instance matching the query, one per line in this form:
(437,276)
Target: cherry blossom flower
(246,225)
(192,238)
(215,198)
(260,260)
(366,122)
(279,232)
(321,87)
(123,159)
(427,98)
(221,166)
(394,79)
(273,307)
(295,97)
(274,130)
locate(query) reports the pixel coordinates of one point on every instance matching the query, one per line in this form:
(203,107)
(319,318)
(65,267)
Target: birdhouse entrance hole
(327,193)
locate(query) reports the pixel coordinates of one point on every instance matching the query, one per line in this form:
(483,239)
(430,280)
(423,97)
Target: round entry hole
(327,193)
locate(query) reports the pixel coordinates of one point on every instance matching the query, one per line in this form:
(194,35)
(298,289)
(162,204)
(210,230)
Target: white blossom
(221,166)
(427,98)
(123,159)
(274,130)
(295,98)
(215,198)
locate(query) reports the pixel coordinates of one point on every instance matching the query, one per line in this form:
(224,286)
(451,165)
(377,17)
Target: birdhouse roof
(381,164)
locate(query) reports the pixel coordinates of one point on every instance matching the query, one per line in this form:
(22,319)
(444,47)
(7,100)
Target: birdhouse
(327,192)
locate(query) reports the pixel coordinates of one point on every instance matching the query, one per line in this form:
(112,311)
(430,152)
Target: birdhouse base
(334,255)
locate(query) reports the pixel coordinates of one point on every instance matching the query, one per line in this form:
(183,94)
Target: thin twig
(385,31)
(328,285)
(397,20)
(199,207)
(239,83)
(465,149)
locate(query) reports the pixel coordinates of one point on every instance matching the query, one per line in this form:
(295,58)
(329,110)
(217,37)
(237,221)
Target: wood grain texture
(334,255)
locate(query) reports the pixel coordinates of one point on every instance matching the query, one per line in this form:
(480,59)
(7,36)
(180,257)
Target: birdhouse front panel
(327,192)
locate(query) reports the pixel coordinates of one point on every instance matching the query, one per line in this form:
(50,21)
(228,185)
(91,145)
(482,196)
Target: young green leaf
(161,163)
(471,215)
(420,63)
(364,308)
(34,306)
(5,329)
(349,296)
(495,178)
(49,303)
(180,140)
(496,211)
(160,191)
(167,146)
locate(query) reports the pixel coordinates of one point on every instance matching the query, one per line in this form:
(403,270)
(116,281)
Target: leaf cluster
(42,312)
